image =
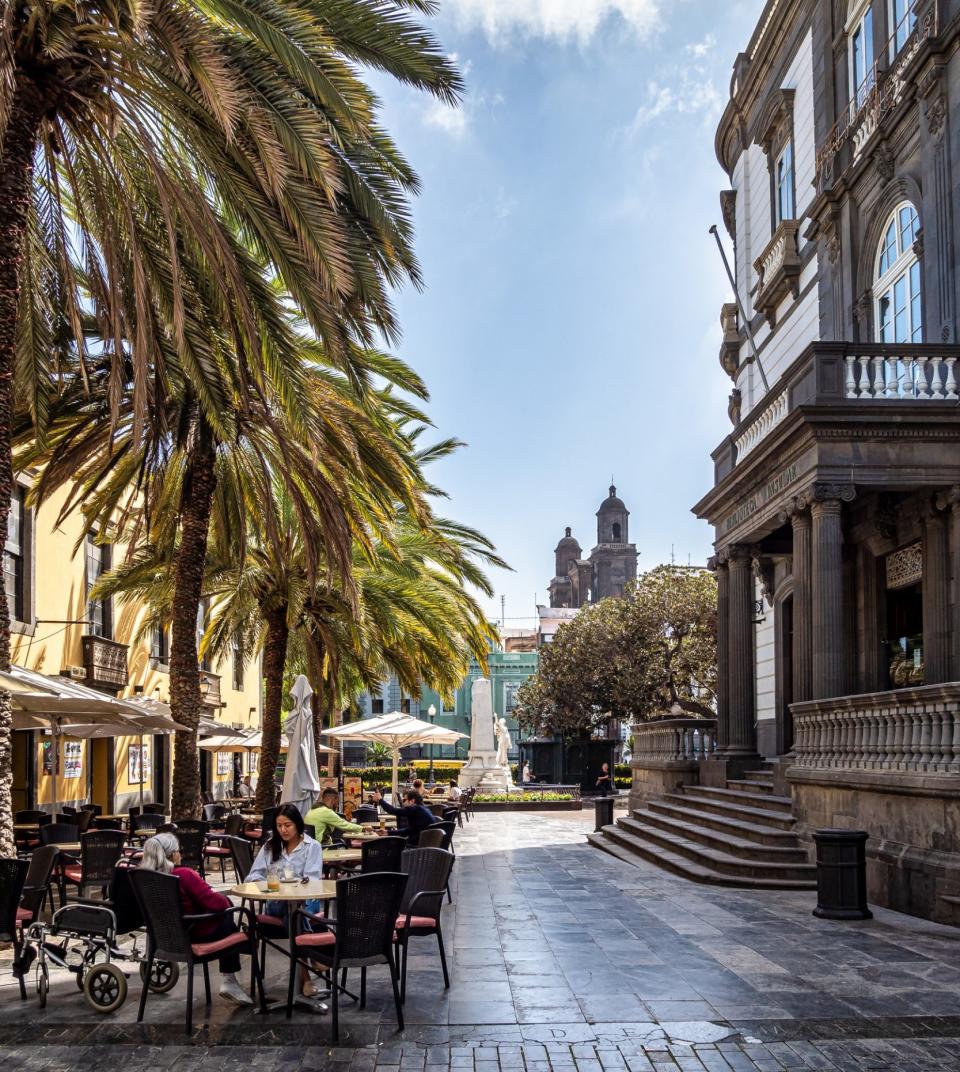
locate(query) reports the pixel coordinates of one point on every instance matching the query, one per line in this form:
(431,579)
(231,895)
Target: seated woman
(162,853)
(292,852)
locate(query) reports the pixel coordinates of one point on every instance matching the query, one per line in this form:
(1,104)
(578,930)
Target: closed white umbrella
(301,779)
(396,730)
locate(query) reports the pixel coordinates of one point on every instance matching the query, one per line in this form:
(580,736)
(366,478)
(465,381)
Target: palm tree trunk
(274,663)
(185,700)
(16,180)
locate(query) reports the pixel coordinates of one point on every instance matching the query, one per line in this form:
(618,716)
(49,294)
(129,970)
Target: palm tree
(161,164)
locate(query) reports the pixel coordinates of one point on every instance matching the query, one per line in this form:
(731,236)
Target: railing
(778,268)
(105,662)
(881,90)
(905,730)
(673,740)
(831,373)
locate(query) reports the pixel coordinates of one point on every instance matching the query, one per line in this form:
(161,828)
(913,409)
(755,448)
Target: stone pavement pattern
(564,959)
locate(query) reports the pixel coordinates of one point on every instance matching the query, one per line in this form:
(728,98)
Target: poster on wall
(224,763)
(72,759)
(328,783)
(352,795)
(48,757)
(253,762)
(138,764)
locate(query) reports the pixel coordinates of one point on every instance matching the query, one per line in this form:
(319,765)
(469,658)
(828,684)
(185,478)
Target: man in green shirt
(324,818)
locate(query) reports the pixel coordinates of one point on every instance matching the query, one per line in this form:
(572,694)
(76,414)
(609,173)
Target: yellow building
(57,630)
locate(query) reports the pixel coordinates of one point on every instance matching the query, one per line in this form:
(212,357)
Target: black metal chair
(233,826)
(431,838)
(241,852)
(382,855)
(105,824)
(36,887)
(67,809)
(428,877)
(366,813)
(362,935)
(100,850)
(97,809)
(155,809)
(27,839)
(59,834)
(84,819)
(192,835)
(168,937)
(13,874)
(214,814)
(40,817)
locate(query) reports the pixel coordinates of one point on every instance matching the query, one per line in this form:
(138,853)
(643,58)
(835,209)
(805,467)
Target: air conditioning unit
(78,673)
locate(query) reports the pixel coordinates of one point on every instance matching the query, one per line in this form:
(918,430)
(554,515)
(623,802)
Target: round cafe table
(295,894)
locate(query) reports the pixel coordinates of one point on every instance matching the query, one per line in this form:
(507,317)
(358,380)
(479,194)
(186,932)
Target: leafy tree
(173,178)
(629,658)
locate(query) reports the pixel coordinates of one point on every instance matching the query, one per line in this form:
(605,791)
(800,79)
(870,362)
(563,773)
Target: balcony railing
(210,688)
(674,740)
(906,730)
(778,269)
(105,662)
(879,93)
(842,373)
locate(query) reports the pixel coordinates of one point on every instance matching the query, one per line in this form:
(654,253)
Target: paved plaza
(566,959)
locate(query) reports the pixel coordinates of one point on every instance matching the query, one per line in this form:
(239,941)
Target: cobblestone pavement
(566,959)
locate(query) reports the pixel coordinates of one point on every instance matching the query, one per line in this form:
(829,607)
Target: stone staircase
(739,836)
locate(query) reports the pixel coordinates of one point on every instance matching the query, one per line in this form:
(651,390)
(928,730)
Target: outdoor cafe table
(25,828)
(342,856)
(295,894)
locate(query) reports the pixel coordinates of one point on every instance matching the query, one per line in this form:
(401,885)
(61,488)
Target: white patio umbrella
(301,779)
(396,730)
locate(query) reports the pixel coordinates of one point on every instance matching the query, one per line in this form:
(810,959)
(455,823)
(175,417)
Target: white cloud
(693,93)
(560,19)
(451,120)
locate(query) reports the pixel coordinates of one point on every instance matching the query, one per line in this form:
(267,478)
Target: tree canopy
(630,658)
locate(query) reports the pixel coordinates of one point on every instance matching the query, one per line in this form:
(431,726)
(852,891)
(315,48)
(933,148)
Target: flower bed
(527,802)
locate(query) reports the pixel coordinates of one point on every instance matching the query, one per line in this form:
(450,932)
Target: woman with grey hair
(162,853)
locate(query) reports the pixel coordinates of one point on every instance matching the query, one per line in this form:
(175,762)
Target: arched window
(896,287)
(616,532)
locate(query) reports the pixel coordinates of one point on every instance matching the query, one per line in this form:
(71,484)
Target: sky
(568,329)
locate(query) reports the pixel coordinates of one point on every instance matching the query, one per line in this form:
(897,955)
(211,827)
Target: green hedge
(622,770)
(443,772)
(623,783)
(515,798)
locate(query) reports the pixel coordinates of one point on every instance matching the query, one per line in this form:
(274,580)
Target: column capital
(763,571)
(819,494)
(796,511)
(948,499)
(740,554)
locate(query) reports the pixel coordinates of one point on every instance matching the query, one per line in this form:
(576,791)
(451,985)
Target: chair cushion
(215,850)
(24,915)
(73,874)
(416,921)
(315,938)
(271,921)
(254,833)
(207,949)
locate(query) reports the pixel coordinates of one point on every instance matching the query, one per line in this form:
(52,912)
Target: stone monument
(483,768)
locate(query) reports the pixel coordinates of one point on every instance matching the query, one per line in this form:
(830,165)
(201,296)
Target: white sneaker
(233,991)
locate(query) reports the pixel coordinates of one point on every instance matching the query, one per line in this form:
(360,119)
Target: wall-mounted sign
(771,490)
(138,764)
(224,762)
(48,757)
(72,759)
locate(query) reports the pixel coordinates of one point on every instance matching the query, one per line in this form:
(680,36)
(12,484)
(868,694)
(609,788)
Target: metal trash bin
(841,874)
(604,807)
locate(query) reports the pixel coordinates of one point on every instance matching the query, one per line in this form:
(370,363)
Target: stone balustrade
(900,376)
(673,740)
(916,729)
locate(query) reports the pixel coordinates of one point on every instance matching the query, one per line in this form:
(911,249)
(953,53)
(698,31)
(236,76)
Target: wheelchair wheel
(43,983)
(163,976)
(105,987)
(90,957)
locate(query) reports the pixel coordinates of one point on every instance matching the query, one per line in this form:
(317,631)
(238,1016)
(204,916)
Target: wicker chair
(382,855)
(100,850)
(26,840)
(431,838)
(214,814)
(366,813)
(40,817)
(428,877)
(36,887)
(362,936)
(59,834)
(241,852)
(13,875)
(192,835)
(84,819)
(169,939)
(233,827)
(144,826)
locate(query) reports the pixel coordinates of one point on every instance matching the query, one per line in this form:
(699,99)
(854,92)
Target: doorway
(905,636)
(784,649)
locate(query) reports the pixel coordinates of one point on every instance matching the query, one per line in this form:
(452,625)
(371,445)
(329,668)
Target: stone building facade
(612,563)
(836,498)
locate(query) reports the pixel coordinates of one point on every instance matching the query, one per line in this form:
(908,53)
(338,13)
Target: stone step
(765,776)
(767,801)
(759,833)
(748,786)
(631,849)
(713,859)
(743,847)
(779,819)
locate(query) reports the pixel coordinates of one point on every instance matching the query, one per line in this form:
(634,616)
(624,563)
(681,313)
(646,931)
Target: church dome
(612,502)
(568,541)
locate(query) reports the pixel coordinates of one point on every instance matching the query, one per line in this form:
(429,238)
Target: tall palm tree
(226,152)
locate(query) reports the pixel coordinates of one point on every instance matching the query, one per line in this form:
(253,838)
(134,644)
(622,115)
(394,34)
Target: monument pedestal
(483,769)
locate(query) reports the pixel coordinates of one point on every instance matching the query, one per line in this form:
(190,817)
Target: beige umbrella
(396,730)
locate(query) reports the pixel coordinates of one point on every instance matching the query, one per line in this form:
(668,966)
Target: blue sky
(569,328)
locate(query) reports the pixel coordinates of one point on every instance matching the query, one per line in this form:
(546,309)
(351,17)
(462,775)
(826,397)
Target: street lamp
(431,714)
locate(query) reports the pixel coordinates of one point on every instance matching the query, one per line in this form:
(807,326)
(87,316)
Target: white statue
(502,733)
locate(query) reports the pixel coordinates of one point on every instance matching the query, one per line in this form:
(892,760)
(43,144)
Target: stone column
(723,648)
(742,733)
(829,676)
(936,600)
(950,501)
(802,606)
